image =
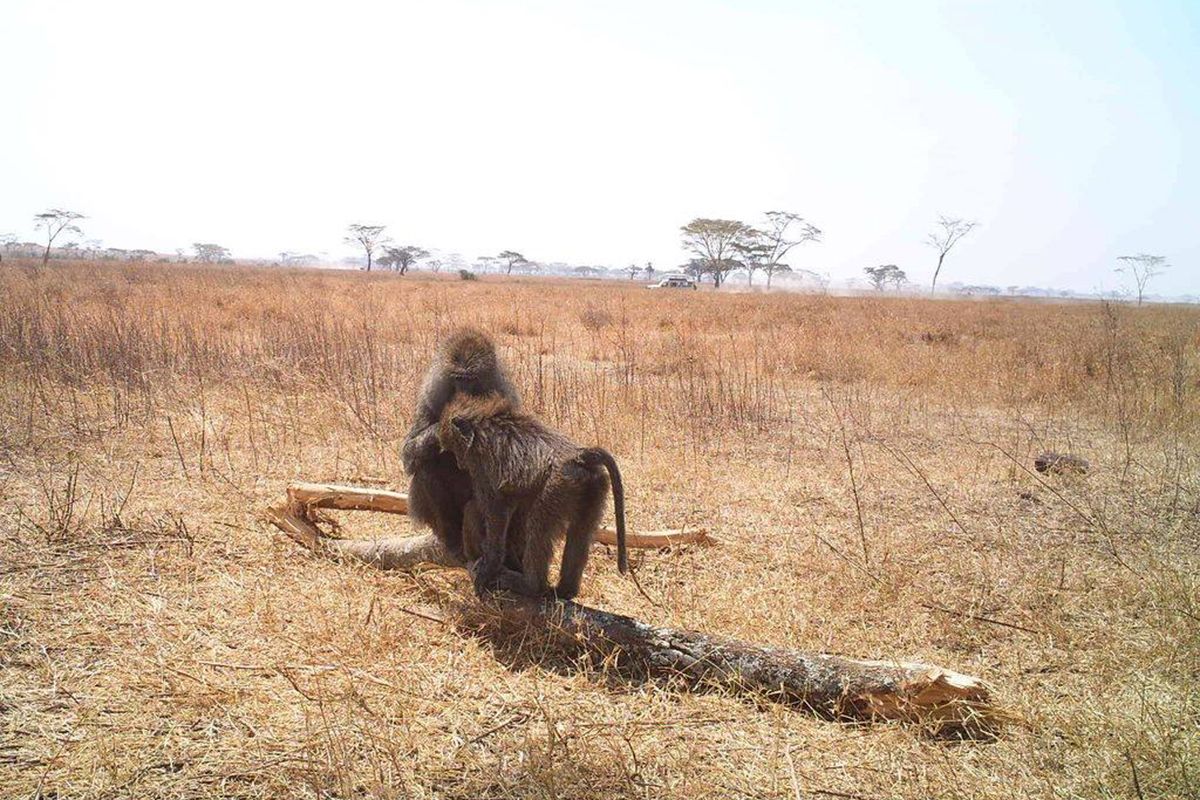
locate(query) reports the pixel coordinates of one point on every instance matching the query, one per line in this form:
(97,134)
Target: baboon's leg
(497,514)
(472,532)
(473,535)
(539,550)
(436,499)
(580,532)
(450,525)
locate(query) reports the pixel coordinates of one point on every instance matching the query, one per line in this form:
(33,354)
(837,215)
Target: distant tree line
(717,249)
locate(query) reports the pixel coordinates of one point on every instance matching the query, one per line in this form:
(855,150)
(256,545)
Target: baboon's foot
(499,578)
(518,583)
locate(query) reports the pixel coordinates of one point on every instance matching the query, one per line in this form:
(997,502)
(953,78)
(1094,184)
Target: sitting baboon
(531,486)
(465,364)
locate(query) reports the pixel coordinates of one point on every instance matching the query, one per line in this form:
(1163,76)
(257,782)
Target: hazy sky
(589,132)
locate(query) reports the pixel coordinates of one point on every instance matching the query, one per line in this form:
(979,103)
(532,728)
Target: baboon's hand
(419,446)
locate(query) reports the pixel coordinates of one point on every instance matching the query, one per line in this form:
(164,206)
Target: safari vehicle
(674,282)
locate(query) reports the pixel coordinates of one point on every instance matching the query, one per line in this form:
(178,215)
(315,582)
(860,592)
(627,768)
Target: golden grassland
(865,463)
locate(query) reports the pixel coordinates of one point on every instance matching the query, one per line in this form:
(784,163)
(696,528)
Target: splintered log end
(942,698)
(297,527)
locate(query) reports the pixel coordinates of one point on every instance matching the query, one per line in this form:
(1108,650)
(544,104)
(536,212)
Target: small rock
(1060,463)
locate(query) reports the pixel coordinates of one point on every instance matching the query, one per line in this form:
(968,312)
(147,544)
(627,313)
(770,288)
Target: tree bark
(933,286)
(832,686)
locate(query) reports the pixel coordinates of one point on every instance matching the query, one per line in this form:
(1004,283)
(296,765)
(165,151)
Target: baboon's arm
(420,444)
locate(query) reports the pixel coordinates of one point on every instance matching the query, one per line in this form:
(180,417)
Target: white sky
(589,132)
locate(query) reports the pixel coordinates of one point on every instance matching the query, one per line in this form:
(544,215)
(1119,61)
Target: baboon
(531,486)
(465,364)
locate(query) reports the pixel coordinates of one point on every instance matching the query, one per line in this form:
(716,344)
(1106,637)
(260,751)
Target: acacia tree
(884,274)
(712,241)
(779,234)
(368,237)
(633,270)
(511,258)
(1141,268)
(402,258)
(948,233)
(54,222)
(695,267)
(207,253)
(752,254)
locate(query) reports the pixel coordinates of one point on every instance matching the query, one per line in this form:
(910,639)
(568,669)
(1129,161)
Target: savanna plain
(865,463)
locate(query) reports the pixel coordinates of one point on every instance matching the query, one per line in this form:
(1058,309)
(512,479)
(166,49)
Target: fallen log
(833,686)
(353,498)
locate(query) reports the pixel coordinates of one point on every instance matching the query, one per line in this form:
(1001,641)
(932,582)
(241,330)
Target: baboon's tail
(598,455)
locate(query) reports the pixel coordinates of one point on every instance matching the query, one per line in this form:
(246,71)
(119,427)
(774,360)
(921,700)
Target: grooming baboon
(465,364)
(531,486)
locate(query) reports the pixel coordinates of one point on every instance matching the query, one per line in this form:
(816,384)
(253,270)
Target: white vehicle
(674,282)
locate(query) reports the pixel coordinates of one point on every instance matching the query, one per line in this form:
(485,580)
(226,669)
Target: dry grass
(156,639)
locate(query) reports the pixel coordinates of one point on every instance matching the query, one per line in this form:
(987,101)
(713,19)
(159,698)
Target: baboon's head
(465,416)
(471,362)
(466,363)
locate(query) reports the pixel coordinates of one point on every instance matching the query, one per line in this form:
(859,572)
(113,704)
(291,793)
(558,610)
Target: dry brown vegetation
(865,463)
